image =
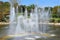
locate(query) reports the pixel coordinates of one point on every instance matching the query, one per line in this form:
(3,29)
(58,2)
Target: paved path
(6,23)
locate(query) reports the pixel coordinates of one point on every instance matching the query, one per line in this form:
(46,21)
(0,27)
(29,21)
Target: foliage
(56,14)
(5,9)
(55,20)
(55,11)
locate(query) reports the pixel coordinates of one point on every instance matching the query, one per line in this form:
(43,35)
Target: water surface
(52,30)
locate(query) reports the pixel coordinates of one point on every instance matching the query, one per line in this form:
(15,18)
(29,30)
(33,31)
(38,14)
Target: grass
(57,20)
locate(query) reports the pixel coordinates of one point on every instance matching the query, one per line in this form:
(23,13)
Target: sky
(41,3)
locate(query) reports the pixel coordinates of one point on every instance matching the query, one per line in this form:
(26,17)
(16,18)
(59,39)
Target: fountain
(12,21)
(32,27)
(44,18)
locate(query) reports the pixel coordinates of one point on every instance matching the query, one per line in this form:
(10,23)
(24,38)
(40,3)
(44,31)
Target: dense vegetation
(55,14)
(5,10)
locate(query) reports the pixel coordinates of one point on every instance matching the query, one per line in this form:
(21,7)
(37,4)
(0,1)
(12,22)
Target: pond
(53,29)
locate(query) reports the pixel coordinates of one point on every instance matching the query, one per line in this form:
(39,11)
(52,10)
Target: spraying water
(22,24)
(12,25)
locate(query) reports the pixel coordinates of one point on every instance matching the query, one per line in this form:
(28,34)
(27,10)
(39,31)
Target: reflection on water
(55,29)
(52,29)
(3,30)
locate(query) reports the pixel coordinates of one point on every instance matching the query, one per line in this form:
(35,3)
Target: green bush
(54,15)
(55,20)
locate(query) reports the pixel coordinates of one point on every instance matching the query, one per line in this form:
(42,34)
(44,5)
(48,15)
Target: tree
(4,9)
(55,11)
(32,6)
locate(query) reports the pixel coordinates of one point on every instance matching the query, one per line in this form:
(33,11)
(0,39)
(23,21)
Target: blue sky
(40,2)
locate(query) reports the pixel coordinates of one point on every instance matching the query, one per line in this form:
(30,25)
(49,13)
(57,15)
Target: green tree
(4,9)
(55,12)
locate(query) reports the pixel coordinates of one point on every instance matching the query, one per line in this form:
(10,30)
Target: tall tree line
(5,9)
